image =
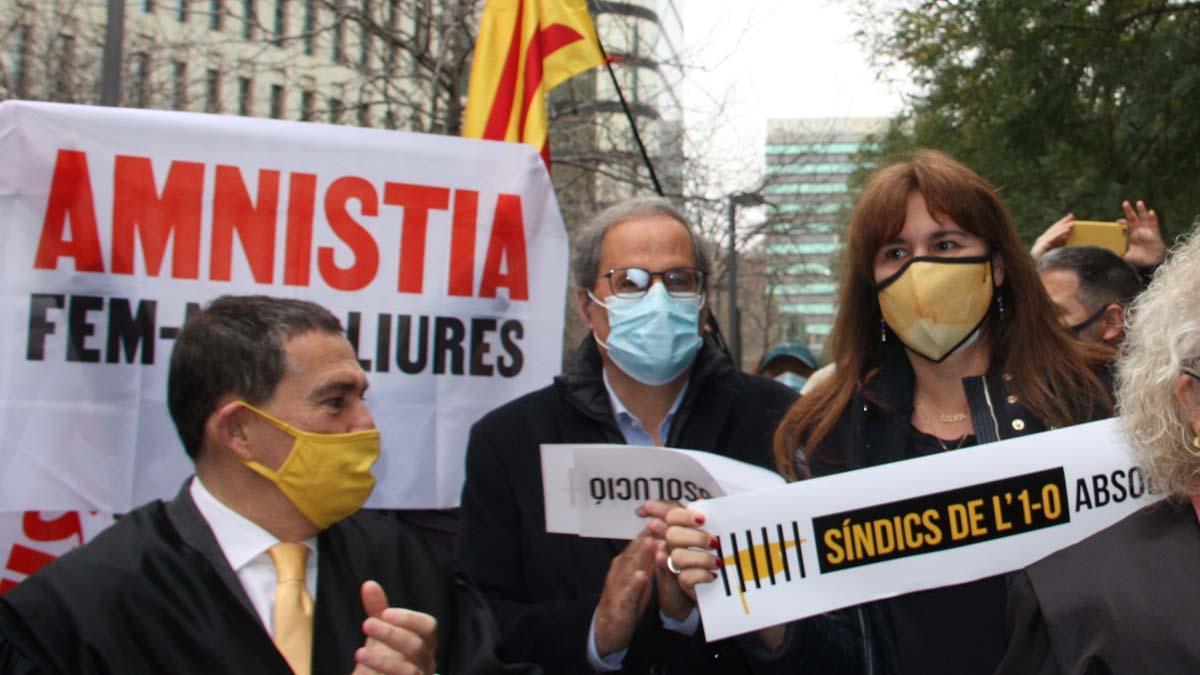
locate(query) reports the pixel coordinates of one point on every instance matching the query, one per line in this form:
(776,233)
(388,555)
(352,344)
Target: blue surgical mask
(654,338)
(791,379)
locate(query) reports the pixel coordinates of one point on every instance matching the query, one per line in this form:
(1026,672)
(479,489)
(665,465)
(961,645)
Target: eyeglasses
(1194,372)
(633,282)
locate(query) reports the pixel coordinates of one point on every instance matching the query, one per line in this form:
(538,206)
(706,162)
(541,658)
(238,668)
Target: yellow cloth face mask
(326,476)
(935,305)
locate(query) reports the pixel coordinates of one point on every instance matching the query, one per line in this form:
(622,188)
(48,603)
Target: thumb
(374,599)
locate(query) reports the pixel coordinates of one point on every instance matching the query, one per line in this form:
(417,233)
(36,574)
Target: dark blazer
(545,587)
(155,593)
(1124,601)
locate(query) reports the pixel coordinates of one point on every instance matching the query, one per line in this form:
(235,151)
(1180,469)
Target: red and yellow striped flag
(525,49)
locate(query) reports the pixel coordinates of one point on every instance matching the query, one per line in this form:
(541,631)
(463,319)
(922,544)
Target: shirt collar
(620,410)
(240,539)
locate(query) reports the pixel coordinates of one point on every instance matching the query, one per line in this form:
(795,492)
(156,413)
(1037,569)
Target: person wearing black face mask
(1090,287)
(944,339)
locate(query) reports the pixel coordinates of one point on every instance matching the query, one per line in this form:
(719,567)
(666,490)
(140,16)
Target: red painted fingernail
(699,518)
(713,542)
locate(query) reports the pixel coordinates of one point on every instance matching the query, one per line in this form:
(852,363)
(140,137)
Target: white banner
(445,258)
(927,522)
(594,490)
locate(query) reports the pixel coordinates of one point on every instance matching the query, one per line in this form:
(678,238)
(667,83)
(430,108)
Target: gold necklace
(945,448)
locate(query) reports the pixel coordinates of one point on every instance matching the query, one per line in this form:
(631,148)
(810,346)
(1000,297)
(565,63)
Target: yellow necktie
(293,606)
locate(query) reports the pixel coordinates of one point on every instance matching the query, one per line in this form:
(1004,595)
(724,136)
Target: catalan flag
(525,49)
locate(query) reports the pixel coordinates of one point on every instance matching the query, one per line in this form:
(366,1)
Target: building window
(310,26)
(181,10)
(147,6)
(338,53)
(308,101)
(364,115)
(391,49)
(364,35)
(141,80)
(18,56)
(212,91)
(179,85)
(336,108)
(249,18)
(280,21)
(277,101)
(63,81)
(245,96)
(216,14)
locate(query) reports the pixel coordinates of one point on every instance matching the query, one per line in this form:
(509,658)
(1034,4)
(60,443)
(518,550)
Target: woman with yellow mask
(944,339)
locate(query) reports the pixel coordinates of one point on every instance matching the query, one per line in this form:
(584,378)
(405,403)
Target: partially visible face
(322,391)
(1063,286)
(923,235)
(655,243)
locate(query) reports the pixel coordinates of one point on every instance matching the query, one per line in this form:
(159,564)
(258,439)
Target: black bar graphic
(737,562)
(721,564)
(753,559)
(767,553)
(787,567)
(799,555)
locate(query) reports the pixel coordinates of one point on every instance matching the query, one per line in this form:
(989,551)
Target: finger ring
(671,565)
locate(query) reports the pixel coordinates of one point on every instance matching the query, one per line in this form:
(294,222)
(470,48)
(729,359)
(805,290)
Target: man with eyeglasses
(643,376)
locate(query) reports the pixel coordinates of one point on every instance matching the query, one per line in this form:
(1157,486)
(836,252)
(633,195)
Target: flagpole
(629,115)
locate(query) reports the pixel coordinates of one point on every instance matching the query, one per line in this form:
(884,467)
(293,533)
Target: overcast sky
(773,58)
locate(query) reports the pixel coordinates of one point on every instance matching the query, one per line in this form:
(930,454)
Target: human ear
(581,304)
(227,425)
(1114,323)
(1187,395)
(997,270)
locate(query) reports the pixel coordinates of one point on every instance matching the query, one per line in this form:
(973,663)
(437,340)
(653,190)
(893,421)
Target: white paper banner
(593,490)
(31,540)
(927,522)
(444,257)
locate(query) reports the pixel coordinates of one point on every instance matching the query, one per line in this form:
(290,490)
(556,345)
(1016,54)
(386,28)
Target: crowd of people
(950,334)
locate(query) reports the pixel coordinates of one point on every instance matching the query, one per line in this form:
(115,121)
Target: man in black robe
(267,396)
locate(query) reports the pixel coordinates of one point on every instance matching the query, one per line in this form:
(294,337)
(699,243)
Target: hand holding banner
(593,490)
(837,541)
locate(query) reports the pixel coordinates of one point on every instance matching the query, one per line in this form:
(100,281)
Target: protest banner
(837,541)
(444,257)
(594,490)
(33,539)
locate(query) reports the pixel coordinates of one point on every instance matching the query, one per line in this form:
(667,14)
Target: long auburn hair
(1053,371)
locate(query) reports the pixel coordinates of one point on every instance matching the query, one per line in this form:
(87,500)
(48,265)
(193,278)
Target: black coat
(873,430)
(545,587)
(1121,602)
(154,593)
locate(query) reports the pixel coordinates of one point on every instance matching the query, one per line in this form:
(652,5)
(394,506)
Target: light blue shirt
(635,434)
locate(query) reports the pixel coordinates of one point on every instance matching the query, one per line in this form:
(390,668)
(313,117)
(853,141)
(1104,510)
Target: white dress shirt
(245,546)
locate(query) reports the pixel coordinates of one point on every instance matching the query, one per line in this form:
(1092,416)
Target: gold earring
(1196,442)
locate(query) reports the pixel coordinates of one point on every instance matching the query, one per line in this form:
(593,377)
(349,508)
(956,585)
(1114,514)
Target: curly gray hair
(1163,338)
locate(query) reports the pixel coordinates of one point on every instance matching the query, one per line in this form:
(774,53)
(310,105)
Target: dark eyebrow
(941,234)
(337,387)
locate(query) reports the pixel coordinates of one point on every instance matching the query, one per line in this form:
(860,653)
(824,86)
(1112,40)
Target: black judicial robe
(155,594)
(1124,601)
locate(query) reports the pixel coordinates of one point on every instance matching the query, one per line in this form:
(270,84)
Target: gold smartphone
(1112,236)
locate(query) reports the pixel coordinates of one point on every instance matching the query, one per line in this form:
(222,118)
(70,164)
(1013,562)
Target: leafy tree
(1065,105)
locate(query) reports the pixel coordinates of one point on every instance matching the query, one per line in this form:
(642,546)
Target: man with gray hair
(1090,288)
(642,376)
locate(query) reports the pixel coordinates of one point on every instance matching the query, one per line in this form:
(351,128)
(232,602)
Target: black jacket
(154,593)
(873,430)
(1122,601)
(545,587)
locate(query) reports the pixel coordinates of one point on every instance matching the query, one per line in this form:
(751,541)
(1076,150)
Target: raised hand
(1146,246)
(1054,236)
(399,641)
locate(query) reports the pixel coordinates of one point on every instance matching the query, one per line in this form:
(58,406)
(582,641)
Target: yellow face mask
(935,305)
(326,476)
